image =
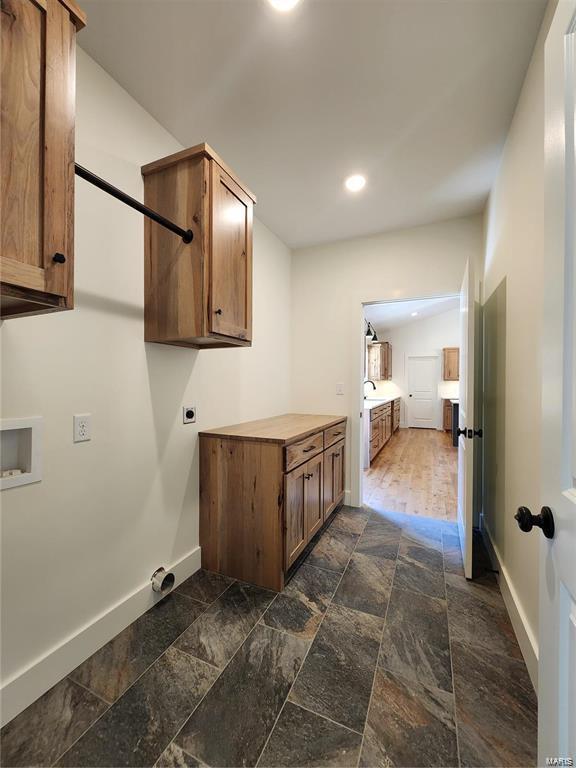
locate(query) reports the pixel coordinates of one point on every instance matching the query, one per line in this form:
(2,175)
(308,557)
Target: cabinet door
(230,275)
(451,364)
(314,496)
(37,155)
(328,481)
(374,362)
(384,360)
(339,472)
(295,513)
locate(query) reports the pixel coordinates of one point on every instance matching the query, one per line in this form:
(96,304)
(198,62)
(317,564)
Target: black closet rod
(84,173)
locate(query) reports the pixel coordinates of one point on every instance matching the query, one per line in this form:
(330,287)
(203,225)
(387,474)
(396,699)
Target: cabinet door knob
(59,258)
(218,311)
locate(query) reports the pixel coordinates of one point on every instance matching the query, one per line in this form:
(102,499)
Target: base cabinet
(265,492)
(384,421)
(447,416)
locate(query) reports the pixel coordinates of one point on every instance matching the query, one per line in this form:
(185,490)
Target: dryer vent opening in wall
(162,581)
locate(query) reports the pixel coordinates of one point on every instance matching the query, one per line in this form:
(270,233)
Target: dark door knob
(59,258)
(545,520)
(218,312)
(461,432)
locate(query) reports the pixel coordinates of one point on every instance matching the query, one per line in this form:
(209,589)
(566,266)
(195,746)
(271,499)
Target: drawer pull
(310,448)
(337,433)
(307,476)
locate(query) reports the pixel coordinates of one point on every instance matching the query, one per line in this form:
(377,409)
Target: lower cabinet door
(313,494)
(339,472)
(295,513)
(328,480)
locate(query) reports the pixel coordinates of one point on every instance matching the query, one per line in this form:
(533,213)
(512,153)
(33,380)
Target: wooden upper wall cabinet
(451,363)
(37,100)
(198,294)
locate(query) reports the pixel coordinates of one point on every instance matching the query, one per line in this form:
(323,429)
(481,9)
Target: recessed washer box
(20,451)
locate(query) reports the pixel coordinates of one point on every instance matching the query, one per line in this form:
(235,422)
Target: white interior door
(422,392)
(466,420)
(557,636)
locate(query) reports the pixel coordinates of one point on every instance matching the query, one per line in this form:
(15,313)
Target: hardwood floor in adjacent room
(415,473)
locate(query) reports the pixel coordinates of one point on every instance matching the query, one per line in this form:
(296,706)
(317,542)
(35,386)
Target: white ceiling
(416,94)
(395,313)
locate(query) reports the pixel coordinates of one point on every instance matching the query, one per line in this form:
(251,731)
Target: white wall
(108,512)
(329,285)
(424,337)
(514,265)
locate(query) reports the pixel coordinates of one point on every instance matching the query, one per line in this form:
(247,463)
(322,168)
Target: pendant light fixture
(371,333)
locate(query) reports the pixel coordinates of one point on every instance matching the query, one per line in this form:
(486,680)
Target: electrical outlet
(82,427)
(189,414)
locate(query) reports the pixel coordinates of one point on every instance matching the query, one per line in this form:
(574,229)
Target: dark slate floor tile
(350,519)
(453,562)
(366,584)
(426,532)
(175,757)
(395,519)
(333,550)
(496,708)
(420,569)
(222,629)
(45,730)
(415,643)
(380,538)
(137,729)
(301,739)
(205,586)
(231,725)
(112,669)
(300,607)
(409,725)
(336,678)
(477,615)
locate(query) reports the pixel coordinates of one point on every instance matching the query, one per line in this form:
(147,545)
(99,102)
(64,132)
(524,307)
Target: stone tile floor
(377,653)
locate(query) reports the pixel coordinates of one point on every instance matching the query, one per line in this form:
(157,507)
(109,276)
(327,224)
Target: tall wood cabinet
(266,488)
(198,294)
(37,100)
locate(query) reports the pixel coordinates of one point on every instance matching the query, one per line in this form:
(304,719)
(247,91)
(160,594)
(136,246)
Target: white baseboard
(526,640)
(29,683)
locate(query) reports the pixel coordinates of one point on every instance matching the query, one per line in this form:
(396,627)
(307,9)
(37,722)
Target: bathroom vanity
(266,488)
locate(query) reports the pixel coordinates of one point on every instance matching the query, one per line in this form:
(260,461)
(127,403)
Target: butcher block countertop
(284,429)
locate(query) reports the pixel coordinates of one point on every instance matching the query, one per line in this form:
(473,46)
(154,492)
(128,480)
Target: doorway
(410,465)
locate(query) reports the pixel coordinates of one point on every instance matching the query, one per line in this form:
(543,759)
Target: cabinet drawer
(303,450)
(374,429)
(387,409)
(375,413)
(335,433)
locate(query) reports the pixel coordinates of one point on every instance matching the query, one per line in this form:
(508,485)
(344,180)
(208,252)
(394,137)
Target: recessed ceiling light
(355,183)
(414,314)
(283,5)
